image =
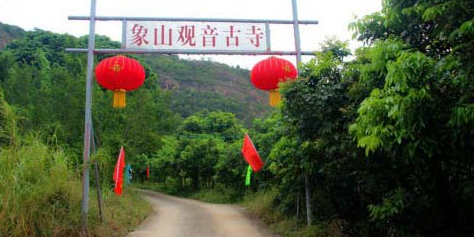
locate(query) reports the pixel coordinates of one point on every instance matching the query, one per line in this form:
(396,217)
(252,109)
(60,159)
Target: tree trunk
(196,181)
(297,206)
(308,197)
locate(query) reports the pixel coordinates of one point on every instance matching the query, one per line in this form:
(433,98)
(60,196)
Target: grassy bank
(121,214)
(262,205)
(41,196)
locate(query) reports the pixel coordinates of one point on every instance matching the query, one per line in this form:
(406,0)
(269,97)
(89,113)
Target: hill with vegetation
(197,85)
(9,33)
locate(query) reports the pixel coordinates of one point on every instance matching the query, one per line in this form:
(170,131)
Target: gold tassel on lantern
(119,98)
(275,98)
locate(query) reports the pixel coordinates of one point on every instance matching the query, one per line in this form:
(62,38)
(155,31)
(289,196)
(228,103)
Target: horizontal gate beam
(122,18)
(164,51)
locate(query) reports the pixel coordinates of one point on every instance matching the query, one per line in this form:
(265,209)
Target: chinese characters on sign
(196,35)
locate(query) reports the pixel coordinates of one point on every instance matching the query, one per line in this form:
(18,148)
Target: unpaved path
(179,217)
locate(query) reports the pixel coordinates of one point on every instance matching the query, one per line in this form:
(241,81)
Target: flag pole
(248,176)
(296,28)
(97,179)
(298,62)
(88,117)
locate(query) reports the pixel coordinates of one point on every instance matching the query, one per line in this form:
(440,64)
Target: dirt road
(179,217)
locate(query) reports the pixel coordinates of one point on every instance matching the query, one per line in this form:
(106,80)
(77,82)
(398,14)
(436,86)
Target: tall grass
(38,192)
(40,195)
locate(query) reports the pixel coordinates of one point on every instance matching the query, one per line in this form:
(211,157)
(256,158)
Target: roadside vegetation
(40,193)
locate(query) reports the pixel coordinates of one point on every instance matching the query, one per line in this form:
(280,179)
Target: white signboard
(195,36)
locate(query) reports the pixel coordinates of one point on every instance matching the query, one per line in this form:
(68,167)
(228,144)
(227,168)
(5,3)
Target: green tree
(203,152)
(419,119)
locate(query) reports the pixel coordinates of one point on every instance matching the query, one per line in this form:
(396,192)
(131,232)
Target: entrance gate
(142,35)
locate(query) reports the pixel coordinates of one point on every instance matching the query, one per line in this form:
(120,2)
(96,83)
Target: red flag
(147,172)
(251,154)
(118,172)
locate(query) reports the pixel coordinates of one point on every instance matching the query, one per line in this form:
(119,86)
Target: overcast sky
(333,16)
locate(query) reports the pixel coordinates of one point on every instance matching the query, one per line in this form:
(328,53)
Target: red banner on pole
(118,172)
(251,154)
(147,172)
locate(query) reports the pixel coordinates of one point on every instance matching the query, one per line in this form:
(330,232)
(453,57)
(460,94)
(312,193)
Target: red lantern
(266,75)
(120,74)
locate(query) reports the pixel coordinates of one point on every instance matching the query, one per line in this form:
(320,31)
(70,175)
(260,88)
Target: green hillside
(198,85)
(8,33)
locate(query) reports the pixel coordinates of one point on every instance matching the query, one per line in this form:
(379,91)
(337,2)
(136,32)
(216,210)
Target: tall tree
(420,116)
